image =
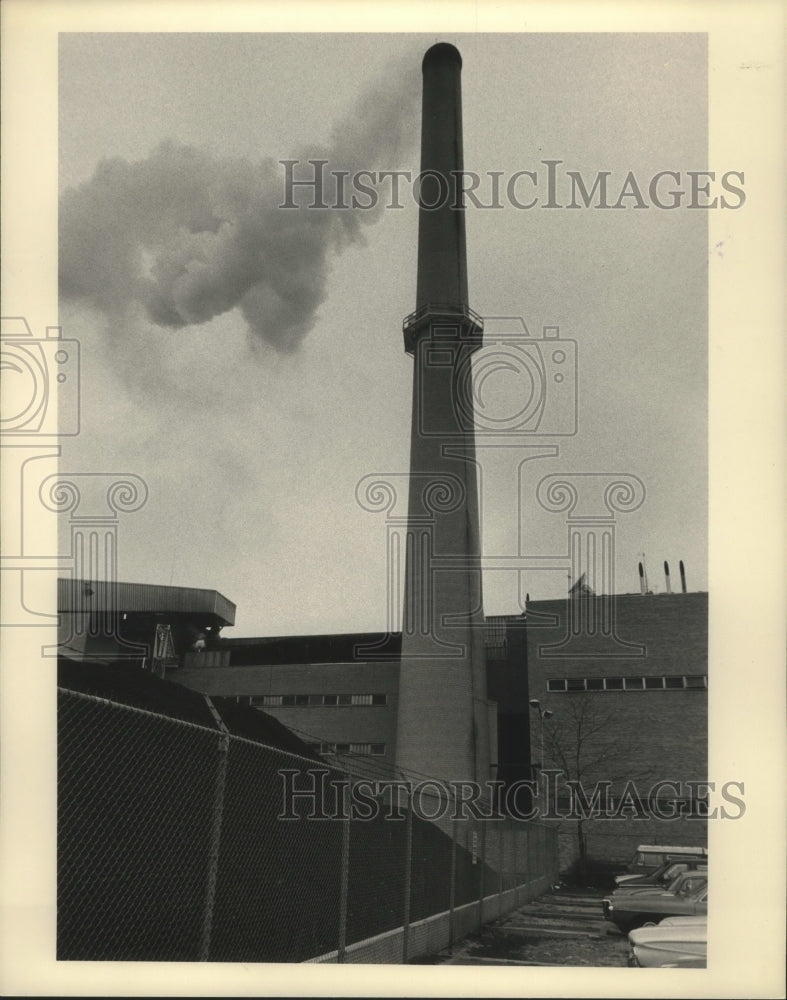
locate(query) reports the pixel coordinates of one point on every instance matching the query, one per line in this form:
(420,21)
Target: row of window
(667,682)
(365,749)
(320,699)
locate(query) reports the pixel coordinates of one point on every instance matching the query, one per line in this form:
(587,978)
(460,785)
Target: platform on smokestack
(445,321)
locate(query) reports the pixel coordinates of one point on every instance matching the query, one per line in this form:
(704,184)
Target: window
(320,699)
(266,699)
(359,749)
(367,749)
(691,885)
(641,683)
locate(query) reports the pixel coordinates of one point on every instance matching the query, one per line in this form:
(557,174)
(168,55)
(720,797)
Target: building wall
(315,723)
(325,665)
(644,735)
(507,684)
(654,734)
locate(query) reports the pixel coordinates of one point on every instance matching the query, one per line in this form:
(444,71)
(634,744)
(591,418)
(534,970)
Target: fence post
(344,875)
(215,833)
(452,888)
(482,861)
(510,880)
(408,873)
(501,849)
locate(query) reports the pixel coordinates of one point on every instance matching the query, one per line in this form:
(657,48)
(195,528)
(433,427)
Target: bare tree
(584,742)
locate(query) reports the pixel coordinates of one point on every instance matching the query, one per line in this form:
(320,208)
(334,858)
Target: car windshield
(672,872)
(690,885)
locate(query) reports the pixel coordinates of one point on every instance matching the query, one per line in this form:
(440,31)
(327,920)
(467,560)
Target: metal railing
(176,843)
(442,309)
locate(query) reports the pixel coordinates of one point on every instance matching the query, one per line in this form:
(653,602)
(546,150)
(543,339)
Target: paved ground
(561,928)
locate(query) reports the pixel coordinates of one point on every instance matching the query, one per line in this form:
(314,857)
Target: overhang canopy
(85,596)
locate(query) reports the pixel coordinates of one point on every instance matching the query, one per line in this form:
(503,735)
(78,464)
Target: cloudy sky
(247,361)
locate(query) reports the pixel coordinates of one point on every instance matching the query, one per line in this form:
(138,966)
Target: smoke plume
(188,236)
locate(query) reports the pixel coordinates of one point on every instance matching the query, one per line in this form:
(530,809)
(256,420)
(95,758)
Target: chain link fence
(178,842)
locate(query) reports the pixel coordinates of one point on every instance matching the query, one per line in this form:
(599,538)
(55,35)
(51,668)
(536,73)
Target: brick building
(340,693)
(618,689)
(626,675)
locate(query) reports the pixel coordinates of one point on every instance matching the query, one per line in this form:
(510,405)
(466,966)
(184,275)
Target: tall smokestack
(666,575)
(443,721)
(642,584)
(442,259)
(682,577)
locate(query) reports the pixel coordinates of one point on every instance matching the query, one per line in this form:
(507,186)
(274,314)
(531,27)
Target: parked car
(664,874)
(666,882)
(648,857)
(683,884)
(683,921)
(687,896)
(670,945)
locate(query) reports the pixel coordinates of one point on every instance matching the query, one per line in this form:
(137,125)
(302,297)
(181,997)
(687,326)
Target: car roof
(686,920)
(670,932)
(690,864)
(664,849)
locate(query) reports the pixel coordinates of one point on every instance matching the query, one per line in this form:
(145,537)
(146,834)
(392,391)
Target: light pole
(543,713)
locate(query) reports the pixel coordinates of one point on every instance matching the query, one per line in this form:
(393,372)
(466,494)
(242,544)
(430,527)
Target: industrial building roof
(74,595)
(125,684)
